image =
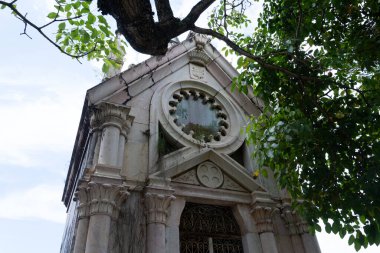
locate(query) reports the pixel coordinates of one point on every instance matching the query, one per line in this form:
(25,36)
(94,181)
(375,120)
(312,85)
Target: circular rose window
(198,115)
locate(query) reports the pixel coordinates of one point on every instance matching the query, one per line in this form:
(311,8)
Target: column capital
(262,216)
(157,202)
(263,207)
(106,198)
(105,114)
(81,196)
(295,222)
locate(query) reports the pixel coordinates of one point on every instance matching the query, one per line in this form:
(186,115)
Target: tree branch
(39,30)
(164,10)
(247,54)
(197,10)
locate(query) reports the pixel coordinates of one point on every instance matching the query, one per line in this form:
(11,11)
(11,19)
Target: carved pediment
(219,171)
(209,175)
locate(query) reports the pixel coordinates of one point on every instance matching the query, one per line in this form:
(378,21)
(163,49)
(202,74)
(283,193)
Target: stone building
(160,165)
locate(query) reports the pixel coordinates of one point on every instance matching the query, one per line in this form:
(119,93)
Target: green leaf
(52,15)
(91,18)
(102,19)
(351,240)
(62,26)
(2,6)
(105,67)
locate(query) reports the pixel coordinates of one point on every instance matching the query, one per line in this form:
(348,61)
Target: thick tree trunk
(135,21)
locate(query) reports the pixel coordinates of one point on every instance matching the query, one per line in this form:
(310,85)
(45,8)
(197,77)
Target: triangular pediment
(209,169)
(143,76)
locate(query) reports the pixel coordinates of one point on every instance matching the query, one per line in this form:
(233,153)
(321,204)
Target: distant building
(160,165)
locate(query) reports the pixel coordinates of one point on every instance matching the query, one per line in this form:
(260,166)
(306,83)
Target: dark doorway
(209,229)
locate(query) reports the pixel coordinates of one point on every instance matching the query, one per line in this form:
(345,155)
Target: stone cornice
(106,114)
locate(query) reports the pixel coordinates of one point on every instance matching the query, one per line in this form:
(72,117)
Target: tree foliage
(314,64)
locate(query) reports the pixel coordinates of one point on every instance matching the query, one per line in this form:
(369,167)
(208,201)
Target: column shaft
(268,242)
(310,243)
(109,146)
(156,238)
(98,234)
(81,236)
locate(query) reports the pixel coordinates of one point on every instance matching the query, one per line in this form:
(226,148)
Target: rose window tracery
(198,115)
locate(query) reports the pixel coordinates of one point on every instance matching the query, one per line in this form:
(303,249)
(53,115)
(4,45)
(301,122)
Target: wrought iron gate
(209,229)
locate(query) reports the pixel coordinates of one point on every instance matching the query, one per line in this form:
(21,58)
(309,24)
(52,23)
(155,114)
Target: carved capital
(106,198)
(81,195)
(106,114)
(157,205)
(262,216)
(290,218)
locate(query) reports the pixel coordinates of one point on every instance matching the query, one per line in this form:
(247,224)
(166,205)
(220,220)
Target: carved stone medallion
(210,175)
(197,72)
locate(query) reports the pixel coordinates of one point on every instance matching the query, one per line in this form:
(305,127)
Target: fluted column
(104,203)
(83,217)
(113,121)
(157,203)
(291,218)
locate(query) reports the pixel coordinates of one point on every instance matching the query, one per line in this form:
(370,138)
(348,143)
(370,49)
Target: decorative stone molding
(157,207)
(295,223)
(157,200)
(106,114)
(106,198)
(199,58)
(263,209)
(230,184)
(263,218)
(81,195)
(190,177)
(209,175)
(290,218)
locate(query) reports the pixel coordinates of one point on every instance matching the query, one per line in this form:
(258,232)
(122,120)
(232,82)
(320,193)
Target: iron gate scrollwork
(207,229)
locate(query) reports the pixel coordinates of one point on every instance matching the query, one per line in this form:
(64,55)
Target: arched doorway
(209,229)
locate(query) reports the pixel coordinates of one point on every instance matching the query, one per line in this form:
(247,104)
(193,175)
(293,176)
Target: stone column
(291,219)
(262,216)
(104,201)
(172,225)
(83,216)
(250,237)
(113,121)
(263,209)
(310,242)
(157,202)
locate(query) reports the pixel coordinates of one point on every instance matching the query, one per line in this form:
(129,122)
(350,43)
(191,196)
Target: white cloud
(40,202)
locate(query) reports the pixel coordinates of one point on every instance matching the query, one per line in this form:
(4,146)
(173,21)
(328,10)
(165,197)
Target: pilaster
(158,197)
(263,208)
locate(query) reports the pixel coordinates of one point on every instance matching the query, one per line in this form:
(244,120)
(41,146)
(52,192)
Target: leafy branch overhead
(80,33)
(315,65)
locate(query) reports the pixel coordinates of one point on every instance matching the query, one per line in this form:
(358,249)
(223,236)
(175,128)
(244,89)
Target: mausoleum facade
(160,164)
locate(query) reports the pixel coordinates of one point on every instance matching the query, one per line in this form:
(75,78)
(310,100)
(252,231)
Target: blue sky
(41,97)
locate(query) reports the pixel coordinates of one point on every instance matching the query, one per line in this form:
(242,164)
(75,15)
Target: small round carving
(210,175)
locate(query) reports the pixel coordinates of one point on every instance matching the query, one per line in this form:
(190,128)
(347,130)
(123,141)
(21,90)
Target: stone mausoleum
(160,165)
